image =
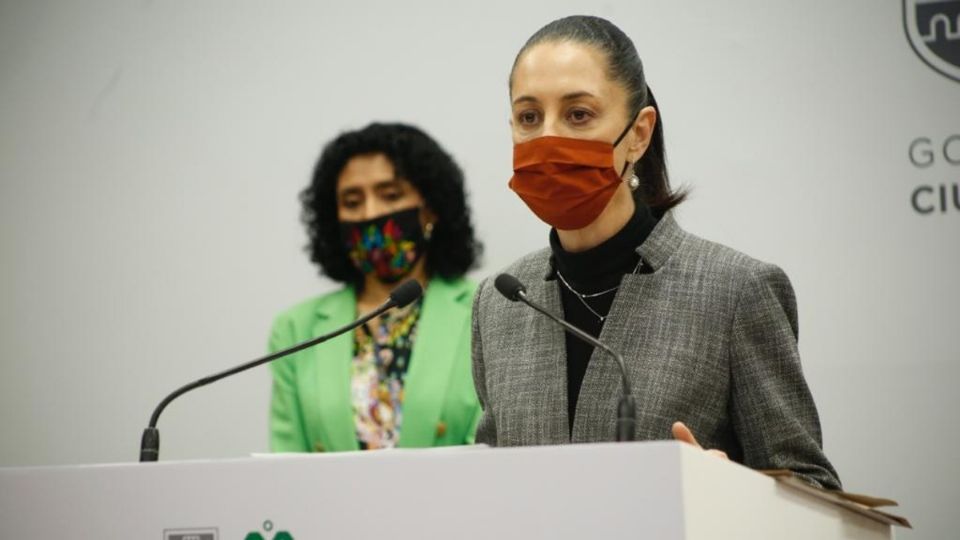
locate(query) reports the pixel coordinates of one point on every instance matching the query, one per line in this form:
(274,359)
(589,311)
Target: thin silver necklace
(583,297)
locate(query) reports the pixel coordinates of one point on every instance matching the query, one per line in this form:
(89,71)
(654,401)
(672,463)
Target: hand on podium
(682,433)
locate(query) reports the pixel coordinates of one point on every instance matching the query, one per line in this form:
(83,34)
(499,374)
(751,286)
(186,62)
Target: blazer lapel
(630,319)
(440,331)
(600,391)
(549,362)
(326,379)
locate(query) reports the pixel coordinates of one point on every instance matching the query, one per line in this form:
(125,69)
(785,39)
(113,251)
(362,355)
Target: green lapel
(328,413)
(446,309)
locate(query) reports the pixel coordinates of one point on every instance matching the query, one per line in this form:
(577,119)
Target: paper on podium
(862,504)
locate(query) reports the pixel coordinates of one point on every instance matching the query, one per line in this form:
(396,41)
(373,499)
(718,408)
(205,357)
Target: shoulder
(720,257)
(697,267)
(458,290)
(674,253)
(708,259)
(749,284)
(529,270)
(307,311)
(531,266)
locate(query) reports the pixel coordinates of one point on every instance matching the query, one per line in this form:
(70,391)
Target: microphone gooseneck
(512,289)
(404,294)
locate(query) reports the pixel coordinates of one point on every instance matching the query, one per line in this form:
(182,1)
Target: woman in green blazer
(386,204)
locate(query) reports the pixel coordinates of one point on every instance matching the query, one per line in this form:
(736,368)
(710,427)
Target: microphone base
(150,445)
(626,419)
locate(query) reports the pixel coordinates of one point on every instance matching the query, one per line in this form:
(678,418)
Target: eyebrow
(380,184)
(566,97)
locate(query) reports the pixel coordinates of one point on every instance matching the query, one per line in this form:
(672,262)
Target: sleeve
(486,426)
(286,422)
(773,412)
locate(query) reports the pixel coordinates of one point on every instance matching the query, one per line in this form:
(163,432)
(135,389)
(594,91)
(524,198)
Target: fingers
(683,434)
(719,453)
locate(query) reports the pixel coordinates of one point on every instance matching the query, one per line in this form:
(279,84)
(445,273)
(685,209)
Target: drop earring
(428,231)
(634,182)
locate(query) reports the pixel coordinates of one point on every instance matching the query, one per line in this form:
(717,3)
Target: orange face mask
(566,182)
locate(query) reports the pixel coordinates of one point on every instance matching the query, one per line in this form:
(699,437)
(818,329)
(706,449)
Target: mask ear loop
(627,129)
(620,138)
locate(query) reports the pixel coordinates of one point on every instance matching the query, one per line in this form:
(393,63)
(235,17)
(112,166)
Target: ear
(642,133)
(427,216)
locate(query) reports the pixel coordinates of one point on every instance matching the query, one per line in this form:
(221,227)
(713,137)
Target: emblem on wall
(933,29)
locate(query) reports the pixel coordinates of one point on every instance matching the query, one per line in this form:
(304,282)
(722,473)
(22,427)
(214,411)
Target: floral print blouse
(380,363)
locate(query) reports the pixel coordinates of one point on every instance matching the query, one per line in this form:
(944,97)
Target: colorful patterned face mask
(388,246)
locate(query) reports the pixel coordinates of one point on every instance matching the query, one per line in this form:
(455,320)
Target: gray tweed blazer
(709,338)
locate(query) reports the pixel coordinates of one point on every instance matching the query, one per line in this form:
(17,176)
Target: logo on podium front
(268,533)
(933,29)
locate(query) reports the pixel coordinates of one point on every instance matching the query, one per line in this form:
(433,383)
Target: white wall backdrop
(151,154)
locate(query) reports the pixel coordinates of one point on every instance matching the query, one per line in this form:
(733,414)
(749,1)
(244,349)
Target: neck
(376,292)
(611,220)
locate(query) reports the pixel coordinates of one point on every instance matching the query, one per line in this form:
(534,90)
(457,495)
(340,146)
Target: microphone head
(509,286)
(405,293)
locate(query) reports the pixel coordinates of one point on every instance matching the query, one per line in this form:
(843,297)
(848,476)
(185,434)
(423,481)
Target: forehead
(555,68)
(365,170)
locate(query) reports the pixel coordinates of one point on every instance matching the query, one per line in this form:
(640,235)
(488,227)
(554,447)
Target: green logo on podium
(268,530)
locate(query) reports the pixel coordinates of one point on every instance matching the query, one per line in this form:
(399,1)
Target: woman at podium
(708,334)
(386,204)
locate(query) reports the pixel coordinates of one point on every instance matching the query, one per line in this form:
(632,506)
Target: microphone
(511,288)
(403,295)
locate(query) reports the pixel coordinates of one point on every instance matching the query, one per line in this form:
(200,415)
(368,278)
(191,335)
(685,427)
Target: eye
(350,203)
(528,117)
(349,200)
(392,193)
(579,116)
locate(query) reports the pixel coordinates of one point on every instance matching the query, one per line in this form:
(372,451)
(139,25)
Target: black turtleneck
(595,270)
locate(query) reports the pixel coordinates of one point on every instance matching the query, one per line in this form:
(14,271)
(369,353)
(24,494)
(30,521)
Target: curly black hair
(417,158)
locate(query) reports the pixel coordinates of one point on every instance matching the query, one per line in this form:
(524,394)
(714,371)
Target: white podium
(655,490)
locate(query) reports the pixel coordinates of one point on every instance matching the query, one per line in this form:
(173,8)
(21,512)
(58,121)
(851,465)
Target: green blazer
(311,408)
